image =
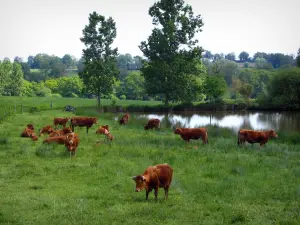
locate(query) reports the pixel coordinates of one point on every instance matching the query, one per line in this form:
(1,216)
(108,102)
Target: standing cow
(125,118)
(154,177)
(253,136)
(192,133)
(83,121)
(60,121)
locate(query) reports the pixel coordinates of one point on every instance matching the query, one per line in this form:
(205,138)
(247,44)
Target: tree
(134,85)
(230,56)
(5,68)
(260,55)
(171,49)
(298,58)
(18,59)
(214,87)
(14,85)
(100,71)
(262,63)
(244,56)
(245,90)
(67,60)
(208,55)
(30,62)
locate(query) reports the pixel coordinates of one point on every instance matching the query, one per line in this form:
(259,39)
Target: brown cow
(192,133)
(72,142)
(124,119)
(57,139)
(83,121)
(61,132)
(60,121)
(253,136)
(101,129)
(46,130)
(154,177)
(29,132)
(152,123)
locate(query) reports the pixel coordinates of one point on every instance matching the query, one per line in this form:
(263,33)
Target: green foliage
(262,63)
(244,56)
(134,86)
(246,90)
(171,49)
(99,72)
(214,87)
(284,89)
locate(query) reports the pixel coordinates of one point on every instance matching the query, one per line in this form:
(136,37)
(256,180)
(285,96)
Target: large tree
(171,50)
(244,56)
(100,71)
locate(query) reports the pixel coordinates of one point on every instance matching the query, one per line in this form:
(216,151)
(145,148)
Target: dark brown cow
(253,136)
(154,177)
(60,121)
(83,121)
(46,130)
(61,132)
(152,123)
(29,132)
(125,118)
(72,142)
(192,133)
(101,129)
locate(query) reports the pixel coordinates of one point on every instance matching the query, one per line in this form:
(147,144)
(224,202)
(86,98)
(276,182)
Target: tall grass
(218,183)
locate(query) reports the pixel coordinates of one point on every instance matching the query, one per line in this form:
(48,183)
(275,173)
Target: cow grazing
(61,132)
(101,129)
(124,119)
(57,139)
(60,121)
(83,121)
(72,142)
(154,177)
(192,133)
(152,123)
(46,130)
(253,136)
(29,132)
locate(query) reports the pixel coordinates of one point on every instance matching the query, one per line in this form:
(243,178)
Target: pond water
(280,121)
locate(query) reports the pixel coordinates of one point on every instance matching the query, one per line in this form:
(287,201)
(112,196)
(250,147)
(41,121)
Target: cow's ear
(144,179)
(134,178)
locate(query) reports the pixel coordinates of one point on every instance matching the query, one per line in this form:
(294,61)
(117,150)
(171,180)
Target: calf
(46,130)
(83,121)
(253,136)
(72,142)
(124,119)
(101,129)
(60,121)
(57,139)
(154,177)
(29,132)
(192,133)
(152,123)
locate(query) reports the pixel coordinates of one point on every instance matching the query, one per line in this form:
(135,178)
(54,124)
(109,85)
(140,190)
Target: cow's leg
(147,194)
(87,129)
(156,193)
(72,127)
(166,192)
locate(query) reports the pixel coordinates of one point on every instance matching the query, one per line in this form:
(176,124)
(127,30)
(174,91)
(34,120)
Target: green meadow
(217,183)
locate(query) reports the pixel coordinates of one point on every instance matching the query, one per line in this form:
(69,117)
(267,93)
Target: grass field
(214,184)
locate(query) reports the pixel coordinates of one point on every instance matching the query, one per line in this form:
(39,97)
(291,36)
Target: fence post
(51,104)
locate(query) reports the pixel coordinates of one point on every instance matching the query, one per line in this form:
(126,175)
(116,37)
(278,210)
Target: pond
(280,121)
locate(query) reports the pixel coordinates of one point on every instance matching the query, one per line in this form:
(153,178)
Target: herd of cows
(154,177)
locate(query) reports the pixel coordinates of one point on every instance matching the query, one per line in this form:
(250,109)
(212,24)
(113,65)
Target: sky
(54,27)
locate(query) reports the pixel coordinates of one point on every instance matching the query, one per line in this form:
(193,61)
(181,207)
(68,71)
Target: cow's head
(146,127)
(95,120)
(70,139)
(140,183)
(30,126)
(273,133)
(177,131)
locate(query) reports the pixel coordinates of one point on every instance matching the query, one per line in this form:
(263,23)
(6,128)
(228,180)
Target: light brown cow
(72,142)
(125,118)
(83,121)
(60,121)
(29,132)
(57,139)
(61,132)
(101,129)
(152,123)
(253,136)
(192,133)
(46,130)
(154,177)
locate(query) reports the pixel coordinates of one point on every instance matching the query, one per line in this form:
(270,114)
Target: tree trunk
(98,100)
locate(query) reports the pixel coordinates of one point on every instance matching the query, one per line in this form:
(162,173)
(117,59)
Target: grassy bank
(214,184)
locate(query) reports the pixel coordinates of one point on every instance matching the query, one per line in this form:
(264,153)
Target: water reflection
(285,121)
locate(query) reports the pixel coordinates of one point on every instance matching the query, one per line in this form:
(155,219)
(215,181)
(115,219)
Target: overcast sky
(29,27)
